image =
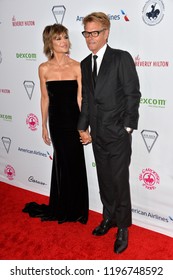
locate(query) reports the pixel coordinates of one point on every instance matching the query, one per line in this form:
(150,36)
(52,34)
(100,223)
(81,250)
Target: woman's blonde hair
(98,17)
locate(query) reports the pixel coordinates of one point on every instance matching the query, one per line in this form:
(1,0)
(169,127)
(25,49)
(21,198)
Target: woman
(60,84)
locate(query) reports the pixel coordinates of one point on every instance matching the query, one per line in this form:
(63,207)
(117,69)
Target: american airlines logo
(111,16)
(150,215)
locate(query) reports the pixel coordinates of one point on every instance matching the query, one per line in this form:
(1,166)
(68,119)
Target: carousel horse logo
(9,172)
(153,12)
(32,122)
(150,178)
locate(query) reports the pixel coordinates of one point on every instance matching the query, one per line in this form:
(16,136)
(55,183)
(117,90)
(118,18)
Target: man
(110,108)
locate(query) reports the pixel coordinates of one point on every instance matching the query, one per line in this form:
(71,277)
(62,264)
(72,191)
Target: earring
(51,52)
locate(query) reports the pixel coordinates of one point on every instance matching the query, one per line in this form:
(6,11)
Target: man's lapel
(102,74)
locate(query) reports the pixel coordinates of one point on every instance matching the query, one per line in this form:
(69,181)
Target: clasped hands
(85,137)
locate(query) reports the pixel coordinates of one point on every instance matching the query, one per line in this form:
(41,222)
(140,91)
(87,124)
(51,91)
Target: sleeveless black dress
(69,189)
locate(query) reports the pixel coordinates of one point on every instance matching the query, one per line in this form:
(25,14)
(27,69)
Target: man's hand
(85,137)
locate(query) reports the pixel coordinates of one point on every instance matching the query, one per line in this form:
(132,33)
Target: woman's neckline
(61,80)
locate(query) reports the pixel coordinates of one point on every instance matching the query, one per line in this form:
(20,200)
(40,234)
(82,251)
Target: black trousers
(112,163)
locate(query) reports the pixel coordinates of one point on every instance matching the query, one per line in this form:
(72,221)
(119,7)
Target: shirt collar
(101,52)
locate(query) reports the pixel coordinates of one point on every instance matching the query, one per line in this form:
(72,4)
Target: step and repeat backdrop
(144,29)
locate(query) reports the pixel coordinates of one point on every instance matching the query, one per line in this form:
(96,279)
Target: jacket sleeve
(83,121)
(130,83)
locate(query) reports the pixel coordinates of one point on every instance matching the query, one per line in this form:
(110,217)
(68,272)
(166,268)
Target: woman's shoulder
(43,65)
(76,65)
(74,62)
(44,68)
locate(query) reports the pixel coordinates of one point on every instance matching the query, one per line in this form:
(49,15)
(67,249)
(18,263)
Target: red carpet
(25,238)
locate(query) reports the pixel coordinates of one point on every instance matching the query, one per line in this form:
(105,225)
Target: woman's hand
(45,136)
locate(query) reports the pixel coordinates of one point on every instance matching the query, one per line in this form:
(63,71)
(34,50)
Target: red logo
(10,172)
(150,178)
(49,155)
(32,121)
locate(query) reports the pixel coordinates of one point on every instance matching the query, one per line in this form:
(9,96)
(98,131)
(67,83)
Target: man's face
(96,43)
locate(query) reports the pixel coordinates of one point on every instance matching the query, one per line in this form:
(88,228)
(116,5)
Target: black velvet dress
(68,200)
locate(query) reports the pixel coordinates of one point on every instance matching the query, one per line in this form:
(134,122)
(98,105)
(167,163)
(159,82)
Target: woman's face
(60,43)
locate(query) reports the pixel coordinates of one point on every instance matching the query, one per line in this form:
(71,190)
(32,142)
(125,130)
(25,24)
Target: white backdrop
(144,29)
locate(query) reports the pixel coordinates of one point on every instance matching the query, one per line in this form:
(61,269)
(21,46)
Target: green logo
(6,117)
(152,102)
(27,56)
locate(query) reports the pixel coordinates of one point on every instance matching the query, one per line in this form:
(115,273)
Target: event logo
(31,179)
(59,12)
(110,16)
(27,56)
(29,87)
(152,102)
(9,172)
(17,23)
(32,152)
(32,122)
(150,215)
(4,90)
(6,117)
(149,138)
(148,63)
(153,12)
(7,143)
(150,178)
